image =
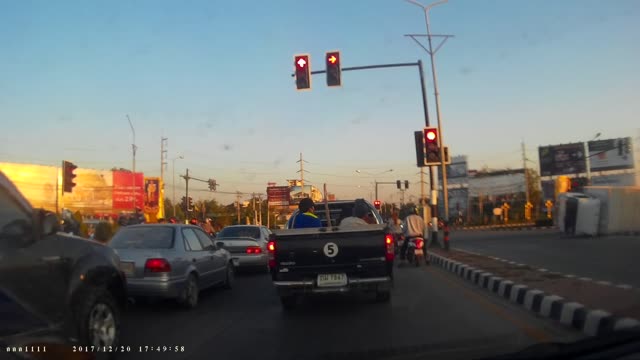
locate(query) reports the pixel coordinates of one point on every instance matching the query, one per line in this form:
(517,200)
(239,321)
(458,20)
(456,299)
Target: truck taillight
(388,240)
(271,246)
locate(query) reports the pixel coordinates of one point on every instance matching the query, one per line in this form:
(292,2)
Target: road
(607,258)
(431,312)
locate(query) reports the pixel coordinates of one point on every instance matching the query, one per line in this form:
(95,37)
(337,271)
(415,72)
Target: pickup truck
(56,290)
(332,259)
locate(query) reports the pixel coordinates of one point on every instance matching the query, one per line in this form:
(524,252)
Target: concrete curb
(590,322)
(505,228)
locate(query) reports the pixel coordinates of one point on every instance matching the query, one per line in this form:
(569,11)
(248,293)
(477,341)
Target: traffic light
(432,146)
(578,184)
(212,185)
(334,71)
(303,71)
(190,203)
(406,184)
(67,176)
(399,184)
(419,139)
(376,204)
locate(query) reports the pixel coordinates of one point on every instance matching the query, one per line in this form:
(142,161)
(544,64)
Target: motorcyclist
(414,227)
(395,226)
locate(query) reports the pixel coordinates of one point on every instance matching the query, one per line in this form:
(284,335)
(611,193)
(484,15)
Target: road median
(591,307)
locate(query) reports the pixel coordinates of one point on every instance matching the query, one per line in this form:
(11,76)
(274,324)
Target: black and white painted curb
(507,227)
(569,313)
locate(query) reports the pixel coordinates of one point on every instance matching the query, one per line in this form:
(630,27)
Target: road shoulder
(592,308)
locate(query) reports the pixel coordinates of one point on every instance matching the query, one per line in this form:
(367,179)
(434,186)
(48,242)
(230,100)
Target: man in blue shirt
(306,217)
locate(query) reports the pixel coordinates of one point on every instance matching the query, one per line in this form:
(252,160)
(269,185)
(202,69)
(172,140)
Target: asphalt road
(606,258)
(431,313)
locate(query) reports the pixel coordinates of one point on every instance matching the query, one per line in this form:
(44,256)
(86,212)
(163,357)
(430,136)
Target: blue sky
(213,77)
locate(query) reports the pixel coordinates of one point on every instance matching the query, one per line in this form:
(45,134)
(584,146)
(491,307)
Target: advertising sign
(562,159)
(278,195)
(151,195)
(125,185)
(612,154)
(457,169)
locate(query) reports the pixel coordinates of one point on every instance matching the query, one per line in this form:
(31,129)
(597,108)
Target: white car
(247,245)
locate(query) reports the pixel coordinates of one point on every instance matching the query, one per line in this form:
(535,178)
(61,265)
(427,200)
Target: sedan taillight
(157,266)
(254,250)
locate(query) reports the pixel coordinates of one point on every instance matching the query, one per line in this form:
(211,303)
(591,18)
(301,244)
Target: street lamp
(588,158)
(173,166)
(437,96)
(374,174)
(133,148)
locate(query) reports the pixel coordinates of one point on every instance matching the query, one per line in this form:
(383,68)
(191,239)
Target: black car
(56,290)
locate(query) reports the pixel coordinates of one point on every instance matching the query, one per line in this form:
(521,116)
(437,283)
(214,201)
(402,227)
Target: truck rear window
(143,237)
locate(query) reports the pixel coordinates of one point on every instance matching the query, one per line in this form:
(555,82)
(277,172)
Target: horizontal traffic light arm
(367,67)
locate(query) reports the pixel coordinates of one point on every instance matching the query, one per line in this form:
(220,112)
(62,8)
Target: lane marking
(531,331)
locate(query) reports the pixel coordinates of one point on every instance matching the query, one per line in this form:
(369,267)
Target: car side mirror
(220,244)
(49,224)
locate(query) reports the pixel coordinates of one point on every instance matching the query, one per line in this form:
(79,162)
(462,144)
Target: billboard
(151,194)
(457,169)
(612,154)
(125,187)
(562,159)
(278,195)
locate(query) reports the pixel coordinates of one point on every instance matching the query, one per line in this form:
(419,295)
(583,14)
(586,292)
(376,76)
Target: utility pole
(238,202)
(163,159)
(186,196)
(259,209)
(133,148)
(255,214)
(301,171)
(526,174)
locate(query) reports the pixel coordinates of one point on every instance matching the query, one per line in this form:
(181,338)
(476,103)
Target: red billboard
(278,195)
(126,186)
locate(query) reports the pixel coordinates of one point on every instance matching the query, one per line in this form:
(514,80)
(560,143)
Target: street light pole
(173,166)
(133,148)
(588,159)
(437,96)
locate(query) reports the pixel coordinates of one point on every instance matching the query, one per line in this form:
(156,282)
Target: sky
(214,78)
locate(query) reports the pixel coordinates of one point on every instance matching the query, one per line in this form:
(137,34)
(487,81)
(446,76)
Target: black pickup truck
(332,259)
(57,291)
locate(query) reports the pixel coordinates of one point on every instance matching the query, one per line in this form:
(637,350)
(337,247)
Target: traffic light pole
(186,196)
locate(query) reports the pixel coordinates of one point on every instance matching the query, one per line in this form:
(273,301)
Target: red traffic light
(377,203)
(334,71)
(431,135)
(303,71)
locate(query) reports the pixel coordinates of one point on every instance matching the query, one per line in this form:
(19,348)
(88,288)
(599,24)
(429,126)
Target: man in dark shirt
(306,217)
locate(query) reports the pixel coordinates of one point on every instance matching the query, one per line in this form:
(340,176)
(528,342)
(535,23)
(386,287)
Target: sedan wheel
(191,293)
(228,283)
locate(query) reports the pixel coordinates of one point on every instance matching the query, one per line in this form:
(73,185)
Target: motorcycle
(415,250)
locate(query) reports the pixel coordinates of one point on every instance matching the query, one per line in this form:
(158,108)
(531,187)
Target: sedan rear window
(239,231)
(144,237)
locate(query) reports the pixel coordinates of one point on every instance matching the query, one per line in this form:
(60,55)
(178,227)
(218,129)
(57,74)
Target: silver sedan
(171,261)
(247,253)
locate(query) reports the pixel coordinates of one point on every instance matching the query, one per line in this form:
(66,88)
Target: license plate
(419,252)
(330,280)
(127,268)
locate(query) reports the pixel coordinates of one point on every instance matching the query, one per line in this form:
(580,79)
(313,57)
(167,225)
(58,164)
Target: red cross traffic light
(302,65)
(67,176)
(432,146)
(334,71)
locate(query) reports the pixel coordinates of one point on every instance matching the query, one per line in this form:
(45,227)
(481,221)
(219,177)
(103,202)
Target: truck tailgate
(318,250)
